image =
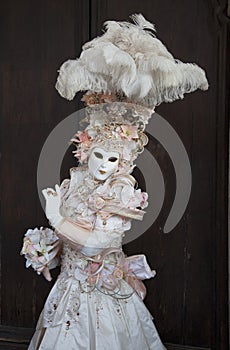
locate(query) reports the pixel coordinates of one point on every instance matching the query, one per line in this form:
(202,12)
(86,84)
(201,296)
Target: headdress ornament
(128,60)
(113,126)
(126,72)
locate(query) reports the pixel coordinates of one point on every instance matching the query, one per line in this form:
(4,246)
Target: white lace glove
(53,202)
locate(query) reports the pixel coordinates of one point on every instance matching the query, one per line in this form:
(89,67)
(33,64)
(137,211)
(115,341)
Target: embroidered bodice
(101,205)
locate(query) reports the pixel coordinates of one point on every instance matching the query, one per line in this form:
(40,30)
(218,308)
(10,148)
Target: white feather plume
(141,22)
(129,59)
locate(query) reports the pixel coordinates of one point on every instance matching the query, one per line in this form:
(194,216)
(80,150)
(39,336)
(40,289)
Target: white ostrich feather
(141,22)
(129,59)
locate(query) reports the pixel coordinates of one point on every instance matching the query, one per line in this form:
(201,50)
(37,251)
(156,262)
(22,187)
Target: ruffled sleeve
(71,203)
(68,185)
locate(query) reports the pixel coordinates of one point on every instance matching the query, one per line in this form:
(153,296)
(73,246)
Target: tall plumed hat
(126,72)
(129,61)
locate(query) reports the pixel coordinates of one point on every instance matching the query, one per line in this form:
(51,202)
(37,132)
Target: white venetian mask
(102,163)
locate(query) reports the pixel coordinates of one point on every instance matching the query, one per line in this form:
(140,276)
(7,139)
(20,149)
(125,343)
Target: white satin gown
(96,302)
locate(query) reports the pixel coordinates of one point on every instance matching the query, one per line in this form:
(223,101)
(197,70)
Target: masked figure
(96,302)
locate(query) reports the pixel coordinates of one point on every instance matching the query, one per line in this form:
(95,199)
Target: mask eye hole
(113,159)
(98,155)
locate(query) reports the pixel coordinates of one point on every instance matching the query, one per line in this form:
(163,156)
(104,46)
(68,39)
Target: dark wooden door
(188,298)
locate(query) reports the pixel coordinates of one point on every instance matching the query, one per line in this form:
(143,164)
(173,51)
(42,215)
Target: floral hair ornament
(113,126)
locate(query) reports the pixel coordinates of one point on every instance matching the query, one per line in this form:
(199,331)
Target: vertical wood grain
(36,37)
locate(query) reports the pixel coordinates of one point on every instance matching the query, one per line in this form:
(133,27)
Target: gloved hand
(53,202)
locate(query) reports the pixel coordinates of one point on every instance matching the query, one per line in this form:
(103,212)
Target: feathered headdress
(130,62)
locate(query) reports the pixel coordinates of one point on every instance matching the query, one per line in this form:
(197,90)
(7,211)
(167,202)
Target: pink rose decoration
(118,273)
(110,282)
(129,132)
(92,279)
(81,137)
(144,202)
